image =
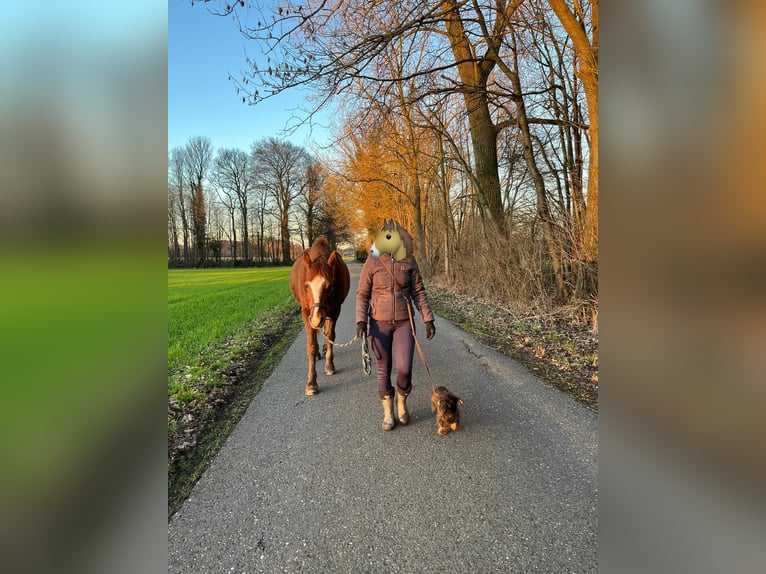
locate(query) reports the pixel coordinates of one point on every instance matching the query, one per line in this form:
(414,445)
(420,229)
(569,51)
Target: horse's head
(319,286)
(389,241)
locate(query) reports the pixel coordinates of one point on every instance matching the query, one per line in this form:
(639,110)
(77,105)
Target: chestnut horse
(319,281)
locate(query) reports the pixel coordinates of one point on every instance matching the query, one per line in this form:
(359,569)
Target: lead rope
(366,359)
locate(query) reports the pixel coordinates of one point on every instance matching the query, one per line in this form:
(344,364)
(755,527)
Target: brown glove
(430,330)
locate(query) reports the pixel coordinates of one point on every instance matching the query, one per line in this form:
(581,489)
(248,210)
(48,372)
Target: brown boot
(401,408)
(388,413)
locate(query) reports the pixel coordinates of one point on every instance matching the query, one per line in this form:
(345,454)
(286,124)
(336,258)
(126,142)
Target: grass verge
(227,329)
(208,436)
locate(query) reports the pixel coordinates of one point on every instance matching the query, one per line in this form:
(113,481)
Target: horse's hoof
(311,390)
(329,372)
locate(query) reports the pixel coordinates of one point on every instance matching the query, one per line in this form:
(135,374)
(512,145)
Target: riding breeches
(392,340)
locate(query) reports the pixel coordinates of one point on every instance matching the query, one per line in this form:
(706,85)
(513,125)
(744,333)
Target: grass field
(213,318)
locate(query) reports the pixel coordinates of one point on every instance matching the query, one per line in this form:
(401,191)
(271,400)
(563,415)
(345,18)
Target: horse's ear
(333,257)
(306,259)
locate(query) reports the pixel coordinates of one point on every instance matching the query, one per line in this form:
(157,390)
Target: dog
(444,404)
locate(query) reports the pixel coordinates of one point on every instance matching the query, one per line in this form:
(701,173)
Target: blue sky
(202,50)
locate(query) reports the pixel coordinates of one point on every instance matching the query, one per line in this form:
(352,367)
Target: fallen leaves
(555,346)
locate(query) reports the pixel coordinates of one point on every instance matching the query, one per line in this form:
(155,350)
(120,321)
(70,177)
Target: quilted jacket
(377,297)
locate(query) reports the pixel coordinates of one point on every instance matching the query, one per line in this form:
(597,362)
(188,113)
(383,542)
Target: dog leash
(417,346)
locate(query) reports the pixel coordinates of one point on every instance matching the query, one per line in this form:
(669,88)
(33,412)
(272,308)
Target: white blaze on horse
(319,281)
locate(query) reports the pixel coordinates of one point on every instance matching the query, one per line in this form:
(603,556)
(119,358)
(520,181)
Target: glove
(430,330)
(361,329)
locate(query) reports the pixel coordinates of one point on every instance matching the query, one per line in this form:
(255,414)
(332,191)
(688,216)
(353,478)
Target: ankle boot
(401,408)
(388,413)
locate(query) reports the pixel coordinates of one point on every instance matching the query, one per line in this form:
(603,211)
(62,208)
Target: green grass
(552,337)
(216,317)
(213,316)
(186,469)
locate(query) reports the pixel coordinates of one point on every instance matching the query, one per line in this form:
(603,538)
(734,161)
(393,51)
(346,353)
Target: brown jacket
(377,296)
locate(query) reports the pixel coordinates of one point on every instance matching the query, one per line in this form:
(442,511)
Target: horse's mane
(320,249)
(319,252)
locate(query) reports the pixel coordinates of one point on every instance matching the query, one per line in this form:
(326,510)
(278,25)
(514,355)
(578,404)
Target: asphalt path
(312,484)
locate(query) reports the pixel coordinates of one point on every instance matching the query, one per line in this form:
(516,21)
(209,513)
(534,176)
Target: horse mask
(393,239)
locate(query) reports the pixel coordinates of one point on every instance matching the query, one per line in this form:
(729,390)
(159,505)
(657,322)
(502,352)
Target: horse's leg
(311,352)
(329,330)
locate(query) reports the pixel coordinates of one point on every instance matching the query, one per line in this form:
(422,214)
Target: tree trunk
(473,74)
(184,224)
(284,231)
(245,238)
(447,215)
(199,223)
(484,142)
(234,238)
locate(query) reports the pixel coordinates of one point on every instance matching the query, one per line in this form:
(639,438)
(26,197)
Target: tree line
(231,207)
(473,122)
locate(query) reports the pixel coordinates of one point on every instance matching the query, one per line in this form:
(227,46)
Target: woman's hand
(361,328)
(430,330)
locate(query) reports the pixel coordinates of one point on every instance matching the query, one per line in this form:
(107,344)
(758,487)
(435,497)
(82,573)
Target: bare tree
(233,175)
(198,155)
(262,208)
(177,181)
(280,168)
(313,198)
(228,199)
(174,249)
(216,229)
(582,26)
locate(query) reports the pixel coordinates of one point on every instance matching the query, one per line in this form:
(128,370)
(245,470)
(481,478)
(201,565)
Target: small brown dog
(444,404)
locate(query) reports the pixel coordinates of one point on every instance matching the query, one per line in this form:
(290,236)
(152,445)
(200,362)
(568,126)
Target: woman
(386,286)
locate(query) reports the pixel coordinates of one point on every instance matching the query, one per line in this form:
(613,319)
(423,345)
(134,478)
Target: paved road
(312,484)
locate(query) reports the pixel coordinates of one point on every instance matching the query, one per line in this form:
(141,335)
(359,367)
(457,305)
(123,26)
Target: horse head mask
(393,239)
